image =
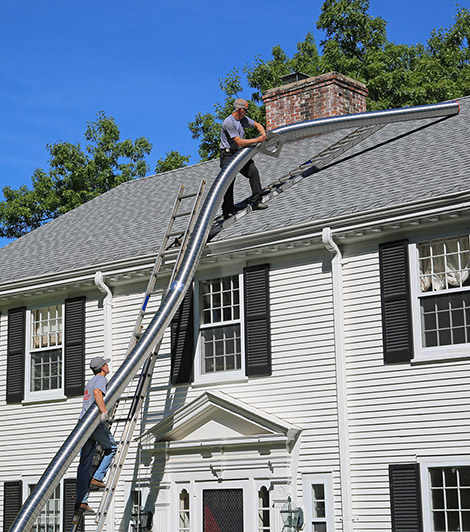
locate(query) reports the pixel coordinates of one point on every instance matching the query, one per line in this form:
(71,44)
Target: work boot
(85,509)
(259,206)
(97,484)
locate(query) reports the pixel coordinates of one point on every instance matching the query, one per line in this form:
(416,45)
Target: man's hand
(104,417)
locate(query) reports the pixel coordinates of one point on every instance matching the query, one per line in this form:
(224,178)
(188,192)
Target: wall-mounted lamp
(292,517)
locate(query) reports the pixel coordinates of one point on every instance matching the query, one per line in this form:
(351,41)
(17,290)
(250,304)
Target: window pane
(319,527)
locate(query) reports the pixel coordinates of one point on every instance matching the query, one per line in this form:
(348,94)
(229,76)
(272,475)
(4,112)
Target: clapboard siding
(33,432)
(396,412)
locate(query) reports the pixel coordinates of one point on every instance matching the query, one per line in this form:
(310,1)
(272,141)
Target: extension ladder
(180,241)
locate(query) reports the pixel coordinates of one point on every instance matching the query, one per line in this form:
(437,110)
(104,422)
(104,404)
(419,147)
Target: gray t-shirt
(98,381)
(231,128)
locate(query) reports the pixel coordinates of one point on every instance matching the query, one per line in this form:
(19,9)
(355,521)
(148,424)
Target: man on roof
(231,140)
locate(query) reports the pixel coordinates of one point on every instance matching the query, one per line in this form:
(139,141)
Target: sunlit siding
(397,413)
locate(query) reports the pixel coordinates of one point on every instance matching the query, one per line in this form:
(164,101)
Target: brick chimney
(330,94)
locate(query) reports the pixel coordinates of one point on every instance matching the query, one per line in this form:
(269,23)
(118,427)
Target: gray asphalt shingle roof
(401,163)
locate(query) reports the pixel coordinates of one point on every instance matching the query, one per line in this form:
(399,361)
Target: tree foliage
(172,161)
(356,45)
(75,176)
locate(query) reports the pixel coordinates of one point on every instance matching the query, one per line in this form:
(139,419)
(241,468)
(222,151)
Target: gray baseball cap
(98,362)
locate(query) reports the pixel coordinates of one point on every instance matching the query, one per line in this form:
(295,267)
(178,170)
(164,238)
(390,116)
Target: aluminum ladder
(180,242)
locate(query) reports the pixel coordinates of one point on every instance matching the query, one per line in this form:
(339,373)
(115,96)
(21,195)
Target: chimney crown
(329,94)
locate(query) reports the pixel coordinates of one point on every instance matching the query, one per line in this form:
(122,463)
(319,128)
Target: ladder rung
(192,195)
(181,214)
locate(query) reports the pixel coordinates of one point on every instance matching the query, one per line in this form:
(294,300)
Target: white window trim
(421,353)
(220,376)
(45,395)
(425,465)
(318,478)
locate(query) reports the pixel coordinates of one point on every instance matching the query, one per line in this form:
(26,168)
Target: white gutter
(107,316)
(341,384)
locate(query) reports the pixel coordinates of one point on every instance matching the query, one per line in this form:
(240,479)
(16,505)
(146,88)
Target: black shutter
(74,346)
(70,486)
(182,341)
(16,354)
(257,320)
(396,302)
(12,498)
(405,498)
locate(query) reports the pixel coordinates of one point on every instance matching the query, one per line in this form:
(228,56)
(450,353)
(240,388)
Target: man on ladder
(95,391)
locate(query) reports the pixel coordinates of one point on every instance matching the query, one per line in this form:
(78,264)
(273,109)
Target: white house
(322,353)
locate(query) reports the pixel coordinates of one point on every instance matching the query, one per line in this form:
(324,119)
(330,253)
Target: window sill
(44,399)
(201,382)
(442,354)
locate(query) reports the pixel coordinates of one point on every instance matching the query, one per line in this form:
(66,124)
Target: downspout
(107,315)
(107,350)
(341,384)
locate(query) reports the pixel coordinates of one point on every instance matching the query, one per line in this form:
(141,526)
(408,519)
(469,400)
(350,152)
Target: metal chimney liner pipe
(154,332)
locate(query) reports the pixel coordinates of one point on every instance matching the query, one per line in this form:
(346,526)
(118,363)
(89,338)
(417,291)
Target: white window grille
(220,325)
(263,510)
(450,498)
(46,349)
(444,291)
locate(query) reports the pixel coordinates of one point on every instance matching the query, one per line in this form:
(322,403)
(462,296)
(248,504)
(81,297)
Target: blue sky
(152,65)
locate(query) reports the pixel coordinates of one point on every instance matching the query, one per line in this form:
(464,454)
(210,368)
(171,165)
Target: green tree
(172,161)
(75,176)
(356,45)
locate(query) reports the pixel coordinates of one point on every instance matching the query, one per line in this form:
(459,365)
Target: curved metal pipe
(154,332)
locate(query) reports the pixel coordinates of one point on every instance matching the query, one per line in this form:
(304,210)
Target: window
(443,296)
(318,497)
(220,328)
(450,498)
(49,519)
(263,510)
(46,353)
(183,511)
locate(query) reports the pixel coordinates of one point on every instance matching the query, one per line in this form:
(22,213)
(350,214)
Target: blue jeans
(103,436)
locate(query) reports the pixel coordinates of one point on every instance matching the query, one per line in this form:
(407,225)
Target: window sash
(45,364)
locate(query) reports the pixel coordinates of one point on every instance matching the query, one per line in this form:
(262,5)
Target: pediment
(218,416)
